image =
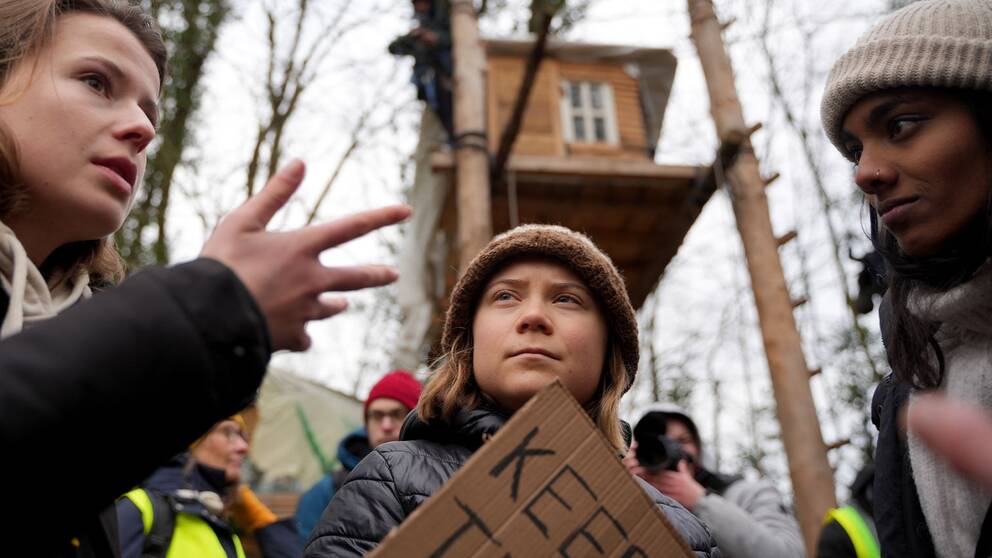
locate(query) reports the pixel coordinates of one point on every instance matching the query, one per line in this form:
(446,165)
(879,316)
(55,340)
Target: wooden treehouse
(584,158)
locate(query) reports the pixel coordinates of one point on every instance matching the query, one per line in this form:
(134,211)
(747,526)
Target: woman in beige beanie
(911,106)
(539,303)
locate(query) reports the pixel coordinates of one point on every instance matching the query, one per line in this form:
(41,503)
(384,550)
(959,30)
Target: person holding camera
(748,519)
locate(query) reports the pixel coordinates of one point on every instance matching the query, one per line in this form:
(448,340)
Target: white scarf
(954,506)
(31,298)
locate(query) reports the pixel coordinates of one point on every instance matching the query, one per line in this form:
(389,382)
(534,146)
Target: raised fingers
(328,306)
(353,278)
(328,235)
(259,209)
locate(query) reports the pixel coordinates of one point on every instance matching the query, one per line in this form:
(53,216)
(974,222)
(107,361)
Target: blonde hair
(452,387)
(26,28)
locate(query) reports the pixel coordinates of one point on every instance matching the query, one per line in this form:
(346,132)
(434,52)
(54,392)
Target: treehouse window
(587,112)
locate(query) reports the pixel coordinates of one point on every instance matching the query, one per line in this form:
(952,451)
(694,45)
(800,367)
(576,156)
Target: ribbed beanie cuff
(932,43)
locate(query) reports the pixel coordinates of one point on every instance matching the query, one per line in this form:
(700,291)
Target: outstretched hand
(282,270)
(959,432)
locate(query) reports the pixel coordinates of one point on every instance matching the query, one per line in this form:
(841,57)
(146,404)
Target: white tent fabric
(279,447)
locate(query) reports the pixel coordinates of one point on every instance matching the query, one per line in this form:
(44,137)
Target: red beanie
(399,385)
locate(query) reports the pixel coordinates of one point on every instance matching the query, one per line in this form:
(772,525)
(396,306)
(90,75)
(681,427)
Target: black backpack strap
(984,548)
(163,524)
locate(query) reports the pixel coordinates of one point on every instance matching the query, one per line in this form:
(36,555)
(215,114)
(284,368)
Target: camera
(406,45)
(655,451)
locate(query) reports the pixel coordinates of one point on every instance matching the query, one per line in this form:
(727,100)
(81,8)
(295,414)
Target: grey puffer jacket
(749,519)
(397,477)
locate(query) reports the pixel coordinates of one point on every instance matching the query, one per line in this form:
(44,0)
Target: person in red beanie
(389,402)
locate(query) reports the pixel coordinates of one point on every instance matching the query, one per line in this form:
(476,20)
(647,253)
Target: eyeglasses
(397,415)
(232,433)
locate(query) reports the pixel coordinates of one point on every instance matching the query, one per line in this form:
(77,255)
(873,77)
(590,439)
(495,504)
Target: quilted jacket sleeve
(693,531)
(751,521)
(361,514)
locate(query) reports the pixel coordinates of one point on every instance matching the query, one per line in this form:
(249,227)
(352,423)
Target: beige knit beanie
(576,252)
(931,43)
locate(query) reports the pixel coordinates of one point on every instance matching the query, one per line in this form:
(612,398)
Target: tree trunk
(812,478)
(512,129)
(471,156)
(191,40)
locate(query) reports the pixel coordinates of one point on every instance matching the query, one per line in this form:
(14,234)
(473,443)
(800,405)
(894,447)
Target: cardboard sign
(548,484)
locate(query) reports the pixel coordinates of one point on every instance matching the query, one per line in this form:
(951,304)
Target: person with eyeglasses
(389,402)
(196,506)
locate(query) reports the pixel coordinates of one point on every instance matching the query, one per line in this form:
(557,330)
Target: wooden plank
(540,132)
(606,151)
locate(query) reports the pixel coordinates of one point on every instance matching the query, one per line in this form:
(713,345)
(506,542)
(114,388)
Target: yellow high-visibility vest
(857,530)
(192,537)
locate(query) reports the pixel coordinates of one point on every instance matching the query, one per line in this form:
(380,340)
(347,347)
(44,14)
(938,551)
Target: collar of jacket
(468,427)
(353,448)
(179,472)
(184,480)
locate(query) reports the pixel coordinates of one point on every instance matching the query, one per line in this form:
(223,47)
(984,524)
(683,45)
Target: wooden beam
(812,477)
(786,238)
(587,171)
(512,129)
(471,152)
(838,444)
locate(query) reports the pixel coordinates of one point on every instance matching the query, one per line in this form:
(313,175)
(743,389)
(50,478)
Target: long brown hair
(452,387)
(27,27)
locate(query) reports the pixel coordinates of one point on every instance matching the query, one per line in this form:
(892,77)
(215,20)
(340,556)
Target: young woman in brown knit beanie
(539,303)
(911,106)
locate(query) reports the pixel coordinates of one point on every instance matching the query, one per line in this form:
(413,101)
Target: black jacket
(276,540)
(88,399)
(397,477)
(899,521)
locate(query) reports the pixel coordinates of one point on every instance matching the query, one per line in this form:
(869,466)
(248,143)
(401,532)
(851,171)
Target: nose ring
(878,173)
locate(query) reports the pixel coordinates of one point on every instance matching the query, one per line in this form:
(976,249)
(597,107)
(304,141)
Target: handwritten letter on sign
(548,484)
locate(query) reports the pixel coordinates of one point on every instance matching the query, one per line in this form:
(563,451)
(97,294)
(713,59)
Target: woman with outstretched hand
(91,377)
(911,106)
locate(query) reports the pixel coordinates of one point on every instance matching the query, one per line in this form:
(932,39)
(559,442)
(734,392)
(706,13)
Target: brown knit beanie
(931,43)
(573,250)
